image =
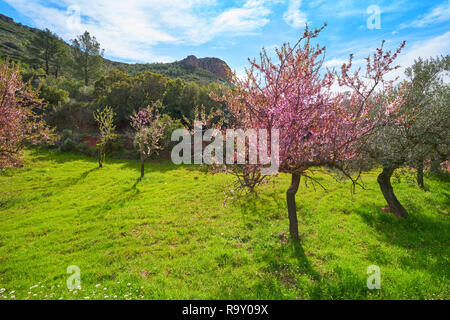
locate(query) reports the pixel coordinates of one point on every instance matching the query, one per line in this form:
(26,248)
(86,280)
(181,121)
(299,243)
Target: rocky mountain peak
(213,65)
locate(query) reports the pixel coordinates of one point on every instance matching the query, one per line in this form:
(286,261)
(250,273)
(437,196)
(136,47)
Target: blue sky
(169,30)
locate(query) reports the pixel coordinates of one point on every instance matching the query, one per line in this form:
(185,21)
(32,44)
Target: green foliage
(53,95)
(173,99)
(72,115)
(126,94)
(172,70)
(61,61)
(169,125)
(423,130)
(428,107)
(182,98)
(68,145)
(71,141)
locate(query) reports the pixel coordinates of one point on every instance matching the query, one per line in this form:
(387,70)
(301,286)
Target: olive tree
(420,131)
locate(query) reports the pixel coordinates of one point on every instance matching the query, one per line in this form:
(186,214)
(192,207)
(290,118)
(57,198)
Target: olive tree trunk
(384,180)
(292,209)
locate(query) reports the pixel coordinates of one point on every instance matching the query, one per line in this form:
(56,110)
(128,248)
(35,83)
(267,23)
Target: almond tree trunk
(384,180)
(292,209)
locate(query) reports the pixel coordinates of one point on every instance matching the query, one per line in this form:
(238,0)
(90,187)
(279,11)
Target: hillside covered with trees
(16,40)
(74,80)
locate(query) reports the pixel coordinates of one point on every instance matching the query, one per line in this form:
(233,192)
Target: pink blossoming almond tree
(322,116)
(19,122)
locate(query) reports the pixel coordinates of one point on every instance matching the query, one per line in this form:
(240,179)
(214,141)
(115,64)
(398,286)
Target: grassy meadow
(169,236)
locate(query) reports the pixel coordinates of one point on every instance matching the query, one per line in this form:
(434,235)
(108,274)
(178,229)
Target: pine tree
(87,57)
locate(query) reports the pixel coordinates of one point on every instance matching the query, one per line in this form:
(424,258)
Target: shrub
(53,95)
(76,116)
(68,145)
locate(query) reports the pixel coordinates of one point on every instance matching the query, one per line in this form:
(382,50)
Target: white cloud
(438,14)
(426,48)
(439,45)
(130,29)
(332,63)
(293,16)
(234,21)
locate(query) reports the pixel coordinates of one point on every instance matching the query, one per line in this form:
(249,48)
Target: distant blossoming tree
(149,133)
(318,125)
(20,123)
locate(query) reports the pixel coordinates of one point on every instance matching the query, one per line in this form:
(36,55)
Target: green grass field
(169,236)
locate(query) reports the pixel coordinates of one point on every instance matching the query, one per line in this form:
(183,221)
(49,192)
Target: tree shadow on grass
(161,166)
(285,261)
(71,181)
(288,274)
(256,206)
(84,175)
(425,237)
(67,157)
(59,157)
(117,200)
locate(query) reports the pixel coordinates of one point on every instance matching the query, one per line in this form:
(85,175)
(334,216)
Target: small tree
(105,120)
(149,133)
(19,122)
